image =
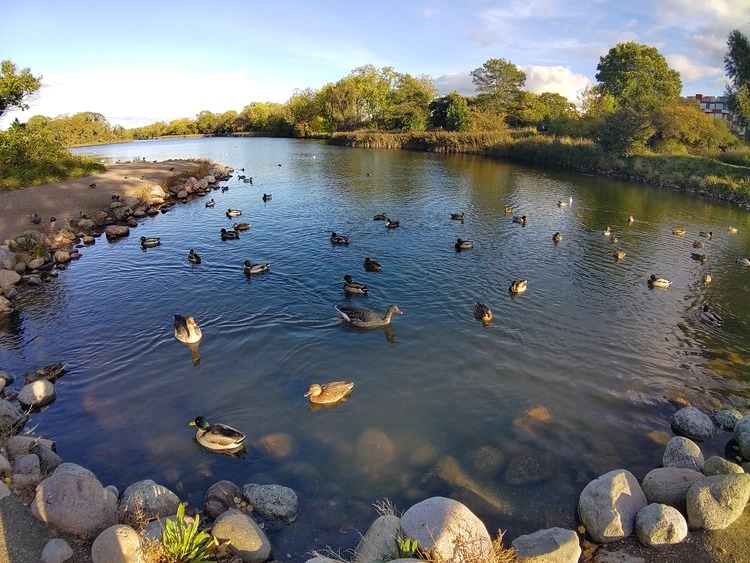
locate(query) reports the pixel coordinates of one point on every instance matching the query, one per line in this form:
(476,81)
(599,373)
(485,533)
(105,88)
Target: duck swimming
(380,217)
(267,197)
(365,318)
(698,244)
(233,212)
(607,232)
(482,312)
(193,257)
(658,282)
(462,244)
(707,279)
(327,393)
(678,232)
(732,229)
(339,239)
(372,266)
(619,255)
(250,268)
(614,239)
(210,203)
(510,209)
(185,330)
(229,235)
(457,216)
(630,219)
(217,436)
(702,258)
(705,234)
(241,226)
(557,237)
(562,203)
(389,224)
(150,242)
(743,261)
(518,286)
(520,220)
(711,318)
(354,287)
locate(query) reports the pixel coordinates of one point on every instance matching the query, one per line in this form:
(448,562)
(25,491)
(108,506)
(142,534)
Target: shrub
(182,541)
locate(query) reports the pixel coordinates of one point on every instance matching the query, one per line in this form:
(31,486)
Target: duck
(705,234)
(150,242)
(217,436)
(267,197)
(372,266)
(457,216)
(702,258)
(380,217)
(35,218)
(518,286)
(354,287)
(462,244)
(510,209)
(707,279)
(711,318)
(557,237)
(389,224)
(210,203)
(698,244)
(369,173)
(224,189)
(521,220)
(619,255)
(241,226)
(229,235)
(743,261)
(233,212)
(185,330)
(658,282)
(563,203)
(339,239)
(607,232)
(251,268)
(482,312)
(732,229)
(614,239)
(365,318)
(327,393)
(630,219)
(193,257)
(678,232)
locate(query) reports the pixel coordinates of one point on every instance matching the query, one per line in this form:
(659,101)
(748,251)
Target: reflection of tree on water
(11,325)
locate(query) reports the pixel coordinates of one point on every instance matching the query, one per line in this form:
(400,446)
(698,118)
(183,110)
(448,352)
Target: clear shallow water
(589,341)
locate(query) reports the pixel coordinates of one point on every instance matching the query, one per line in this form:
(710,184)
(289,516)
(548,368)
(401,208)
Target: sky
(145,61)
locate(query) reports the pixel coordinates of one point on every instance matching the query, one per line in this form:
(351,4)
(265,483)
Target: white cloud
(555,79)
(459,81)
(690,70)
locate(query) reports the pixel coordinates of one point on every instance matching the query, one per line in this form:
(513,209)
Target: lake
(577,376)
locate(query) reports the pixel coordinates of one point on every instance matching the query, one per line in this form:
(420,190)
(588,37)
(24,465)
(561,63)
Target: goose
(250,268)
(150,242)
(482,312)
(339,239)
(217,436)
(372,266)
(354,287)
(658,282)
(365,318)
(193,257)
(711,318)
(518,286)
(327,393)
(229,235)
(462,244)
(185,330)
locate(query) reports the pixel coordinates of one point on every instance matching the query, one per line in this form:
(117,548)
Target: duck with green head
(217,436)
(150,242)
(353,287)
(250,268)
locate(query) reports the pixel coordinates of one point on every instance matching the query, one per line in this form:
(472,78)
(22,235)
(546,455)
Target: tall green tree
(373,86)
(737,66)
(539,109)
(458,114)
(16,88)
(338,105)
(637,75)
(498,82)
(408,103)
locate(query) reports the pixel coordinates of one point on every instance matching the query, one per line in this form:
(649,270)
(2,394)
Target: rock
(50,373)
(379,543)
(117,544)
(272,502)
(7,258)
(448,470)
(669,485)
(61,256)
(5,469)
(4,490)
(73,499)
(48,460)
(38,238)
(131,201)
(88,239)
(531,468)
(604,556)
(220,498)
(33,280)
(555,545)
(247,540)
(182,194)
(608,505)
(6,306)
(693,424)
(20,267)
(146,500)
(37,394)
(682,452)
(20,445)
(210,179)
(151,211)
(488,460)
(56,550)
(715,502)
(659,524)
(36,263)
(114,491)
(10,415)
(278,445)
(132,223)
(716,465)
(374,450)
(116,231)
(26,471)
(156,190)
(86,224)
(139,213)
(9,278)
(99,218)
(448,528)
(742,435)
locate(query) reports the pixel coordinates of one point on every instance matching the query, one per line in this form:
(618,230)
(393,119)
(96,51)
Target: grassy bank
(721,175)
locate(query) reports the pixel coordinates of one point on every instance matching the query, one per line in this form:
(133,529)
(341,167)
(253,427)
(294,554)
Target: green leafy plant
(183,543)
(406,547)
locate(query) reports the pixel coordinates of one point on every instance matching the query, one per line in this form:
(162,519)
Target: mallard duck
(327,393)
(150,242)
(630,219)
(193,257)
(732,229)
(743,261)
(711,318)
(380,217)
(217,436)
(607,232)
(372,266)
(365,318)
(241,226)
(482,312)
(267,197)
(224,189)
(678,232)
(229,235)
(702,258)
(210,203)
(658,282)
(619,255)
(339,239)
(389,224)
(521,220)
(462,244)
(251,268)
(698,244)
(562,203)
(457,216)
(614,239)
(510,209)
(518,286)
(705,234)
(354,287)
(233,212)
(185,329)
(35,218)
(707,279)
(557,237)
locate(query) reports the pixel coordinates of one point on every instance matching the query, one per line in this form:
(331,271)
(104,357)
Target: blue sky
(138,62)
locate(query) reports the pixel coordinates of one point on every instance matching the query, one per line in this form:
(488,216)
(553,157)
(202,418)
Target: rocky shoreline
(687,492)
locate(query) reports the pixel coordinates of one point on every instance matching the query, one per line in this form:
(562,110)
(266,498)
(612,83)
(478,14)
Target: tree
(683,127)
(458,114)
(303,108)
(540,109)
(16,88)
(498,82)
(373,86)
(637,75)
(737,65)
(408,103)
(338,105)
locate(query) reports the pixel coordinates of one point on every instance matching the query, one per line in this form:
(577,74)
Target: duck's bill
(191,423)
(307,394)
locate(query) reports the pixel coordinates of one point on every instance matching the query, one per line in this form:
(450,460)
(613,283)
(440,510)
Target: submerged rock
(693,424)
(272,502)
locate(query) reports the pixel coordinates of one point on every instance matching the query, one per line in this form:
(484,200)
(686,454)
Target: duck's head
(315,389)
(705,308)
(459,241)
(247,263)
(143,239)
(223,230)
(347,278)
(334,234)
(652,278)
(200,422)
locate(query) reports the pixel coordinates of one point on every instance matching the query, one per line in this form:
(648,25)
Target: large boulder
(36,237)
(379,543)
(9,278)
(609,504)
(220,498)
(742,435)
(448,528)
(10,415)
(116,231)
(682,452)
(693,424)
(272,502)
(74,500)
(7,258)
(727,418)
(117,544)
(147,500)
(715,502)
(669,485)
(555,545)
(659,524)
(247,540)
